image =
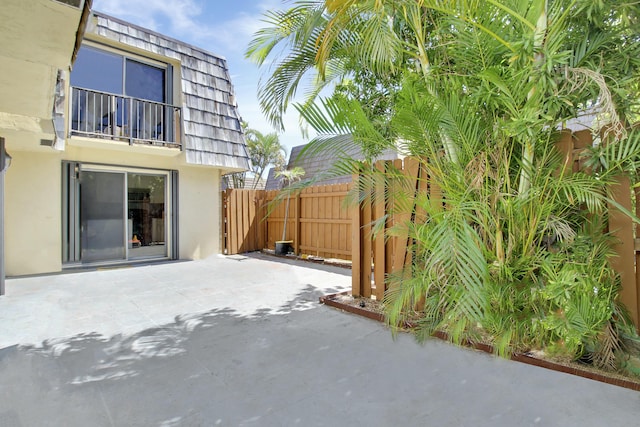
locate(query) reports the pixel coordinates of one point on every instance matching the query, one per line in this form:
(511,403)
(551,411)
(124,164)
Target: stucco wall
(34,202)
(33,235)
(199,213)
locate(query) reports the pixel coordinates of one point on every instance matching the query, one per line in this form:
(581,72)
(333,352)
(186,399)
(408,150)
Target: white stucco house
(117,155)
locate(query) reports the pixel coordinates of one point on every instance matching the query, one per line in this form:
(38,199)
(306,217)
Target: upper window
(122,96)
(118,74)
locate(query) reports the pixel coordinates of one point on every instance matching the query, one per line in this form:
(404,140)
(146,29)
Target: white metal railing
(105,115)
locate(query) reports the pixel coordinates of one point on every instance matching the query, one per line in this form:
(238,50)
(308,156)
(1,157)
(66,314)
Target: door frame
(71,233)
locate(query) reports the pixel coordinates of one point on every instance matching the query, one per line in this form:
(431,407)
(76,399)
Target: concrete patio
(242,341)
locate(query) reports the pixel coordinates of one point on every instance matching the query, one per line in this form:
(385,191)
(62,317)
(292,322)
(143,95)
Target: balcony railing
(117,117)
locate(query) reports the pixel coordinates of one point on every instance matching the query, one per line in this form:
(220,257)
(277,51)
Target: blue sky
(223,27)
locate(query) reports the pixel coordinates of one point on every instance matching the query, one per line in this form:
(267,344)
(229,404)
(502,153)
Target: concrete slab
(264,355)
(131,299)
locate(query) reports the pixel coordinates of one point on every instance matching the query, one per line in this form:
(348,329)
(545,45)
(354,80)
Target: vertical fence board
(422,196)
(261,220)
(621,227)
(565,147)
(239,216)
(296,225)
(412,170)
(253,222)
(581,140)
(304,213)
(334,237)
(637,255)
(225,222)
(365,271)
(246,239)
(400,217)
(356,245)
(345,228)
(379,253)
(233,233)
(319,216)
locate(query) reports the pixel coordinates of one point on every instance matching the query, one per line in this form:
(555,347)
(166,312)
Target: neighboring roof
(586,119)
(316,163)
(212,132)
(248,183)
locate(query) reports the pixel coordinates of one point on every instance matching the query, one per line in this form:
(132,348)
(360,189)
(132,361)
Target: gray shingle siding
(211,123)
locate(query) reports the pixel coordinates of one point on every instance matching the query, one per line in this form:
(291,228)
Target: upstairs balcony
(122,118)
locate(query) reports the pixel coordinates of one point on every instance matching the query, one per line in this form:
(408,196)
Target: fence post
(636,250)
(378,242)
(365,228)
(253,218)
(225,223)
(621,227)
(565,147)
(356,242)
(245,225)
(232,220)
(401,216)
(296,225)
(262,220)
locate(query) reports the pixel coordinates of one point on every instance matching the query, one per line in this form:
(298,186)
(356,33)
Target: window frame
(166,67)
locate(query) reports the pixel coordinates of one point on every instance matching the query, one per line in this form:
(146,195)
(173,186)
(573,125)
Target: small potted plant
(288,176)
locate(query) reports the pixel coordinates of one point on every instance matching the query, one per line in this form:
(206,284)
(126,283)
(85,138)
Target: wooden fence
(375,257)
(318,223)
(242,213)
(378,253)
(627,261)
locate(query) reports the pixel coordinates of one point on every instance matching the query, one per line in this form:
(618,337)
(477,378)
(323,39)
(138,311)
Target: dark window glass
(144,81)
(102,71)
(102,216)
(97,70)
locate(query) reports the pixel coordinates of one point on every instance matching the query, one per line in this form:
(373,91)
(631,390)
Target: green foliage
(477,90)
(289,176)
(577,299)
(263,150)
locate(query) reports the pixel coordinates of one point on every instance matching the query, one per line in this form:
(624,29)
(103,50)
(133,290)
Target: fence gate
(378,253)
(243,226)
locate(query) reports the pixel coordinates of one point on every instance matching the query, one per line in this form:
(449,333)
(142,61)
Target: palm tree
(318,51)
(264,150)
(485,85)
(289,176)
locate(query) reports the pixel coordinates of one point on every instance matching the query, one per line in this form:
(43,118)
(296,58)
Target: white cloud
(194,20)
(180,14)
(235,33)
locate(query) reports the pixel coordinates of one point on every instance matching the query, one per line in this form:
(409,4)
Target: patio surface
(241,340)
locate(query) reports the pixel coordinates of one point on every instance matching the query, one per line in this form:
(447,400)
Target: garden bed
(372,309)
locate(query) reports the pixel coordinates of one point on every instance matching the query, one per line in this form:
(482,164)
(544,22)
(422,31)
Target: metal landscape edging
(331,301)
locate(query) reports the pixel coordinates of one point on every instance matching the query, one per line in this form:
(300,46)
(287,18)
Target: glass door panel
(144,81)
(102,225)
(98,70)
(146,224)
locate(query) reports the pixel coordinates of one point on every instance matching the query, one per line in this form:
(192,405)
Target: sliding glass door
(146,196)
(102,226)
(112,214)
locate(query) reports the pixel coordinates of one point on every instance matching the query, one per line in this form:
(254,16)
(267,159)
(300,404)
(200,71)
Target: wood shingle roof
(211,123)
